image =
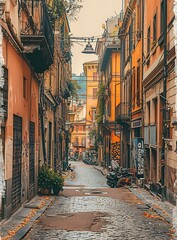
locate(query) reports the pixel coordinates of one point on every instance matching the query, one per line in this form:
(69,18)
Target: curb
(22,232)
(100,171)
(161,212)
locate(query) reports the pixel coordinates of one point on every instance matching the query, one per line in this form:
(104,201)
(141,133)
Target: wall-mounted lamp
(174,123)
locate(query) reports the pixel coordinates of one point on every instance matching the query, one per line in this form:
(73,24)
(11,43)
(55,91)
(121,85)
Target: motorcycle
(113,177)
(119,177)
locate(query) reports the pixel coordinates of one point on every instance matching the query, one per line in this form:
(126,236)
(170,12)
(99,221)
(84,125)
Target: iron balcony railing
(123,112)
(76,144)
(37,35)
(47,29)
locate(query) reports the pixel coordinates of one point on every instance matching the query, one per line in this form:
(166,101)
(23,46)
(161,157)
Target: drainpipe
(164,98)
(142,58)
(42,113)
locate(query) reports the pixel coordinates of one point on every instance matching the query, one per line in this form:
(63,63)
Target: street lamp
(89,49)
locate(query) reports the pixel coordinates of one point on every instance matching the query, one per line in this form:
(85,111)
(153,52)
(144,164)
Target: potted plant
(57,183)
(44,180)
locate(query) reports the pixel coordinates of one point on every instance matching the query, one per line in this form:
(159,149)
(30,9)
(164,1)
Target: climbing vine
(58,7)
(101,103)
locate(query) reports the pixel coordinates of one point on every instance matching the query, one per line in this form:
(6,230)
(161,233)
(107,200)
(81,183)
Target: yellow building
(90,70)
(108,49)
(130,110)
(78,135)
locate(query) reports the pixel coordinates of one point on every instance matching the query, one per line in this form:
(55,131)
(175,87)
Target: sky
(90,19)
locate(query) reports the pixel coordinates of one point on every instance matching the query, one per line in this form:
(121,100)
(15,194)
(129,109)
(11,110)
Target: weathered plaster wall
(175,133)
(2,181)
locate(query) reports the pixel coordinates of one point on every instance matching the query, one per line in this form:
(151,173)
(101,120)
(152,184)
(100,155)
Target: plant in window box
(44,180)
(57,183)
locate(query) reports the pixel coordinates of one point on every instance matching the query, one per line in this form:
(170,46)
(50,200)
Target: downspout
(164,94)
(121,77)
(42,125)
(142,59)
(2,160)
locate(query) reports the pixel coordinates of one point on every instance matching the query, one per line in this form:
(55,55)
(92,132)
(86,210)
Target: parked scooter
(113,177)
(119,177)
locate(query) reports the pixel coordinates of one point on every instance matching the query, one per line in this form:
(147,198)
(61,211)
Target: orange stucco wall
(26,108)
(115,100)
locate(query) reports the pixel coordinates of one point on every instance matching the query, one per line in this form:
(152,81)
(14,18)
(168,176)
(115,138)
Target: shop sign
(138,155)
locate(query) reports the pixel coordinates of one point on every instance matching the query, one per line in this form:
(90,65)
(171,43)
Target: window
(133,87)
(139,19)
(24,87)
(138,85)
(148,40)
(77,141)
(83,128)
(154,28)
(76,128)
(148,113)
(95,76)
(83,141)
(162,16)
(130,38)
(94,92)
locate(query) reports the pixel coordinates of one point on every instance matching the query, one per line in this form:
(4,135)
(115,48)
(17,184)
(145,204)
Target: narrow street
(88,209)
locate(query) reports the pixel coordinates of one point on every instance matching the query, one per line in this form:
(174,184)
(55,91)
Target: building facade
(108,50)
(148,93)
(91,74)
(23,55)
(34,97)
(159,94)
(78,135)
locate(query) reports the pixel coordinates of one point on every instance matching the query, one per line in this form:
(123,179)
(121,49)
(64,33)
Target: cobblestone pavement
(87,176)
(113,217)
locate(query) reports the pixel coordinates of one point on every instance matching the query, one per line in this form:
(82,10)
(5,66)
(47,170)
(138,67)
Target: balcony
(37,35)
(123,113)
(81,145)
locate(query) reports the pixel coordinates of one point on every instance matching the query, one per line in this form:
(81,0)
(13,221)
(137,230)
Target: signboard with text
(138,155)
